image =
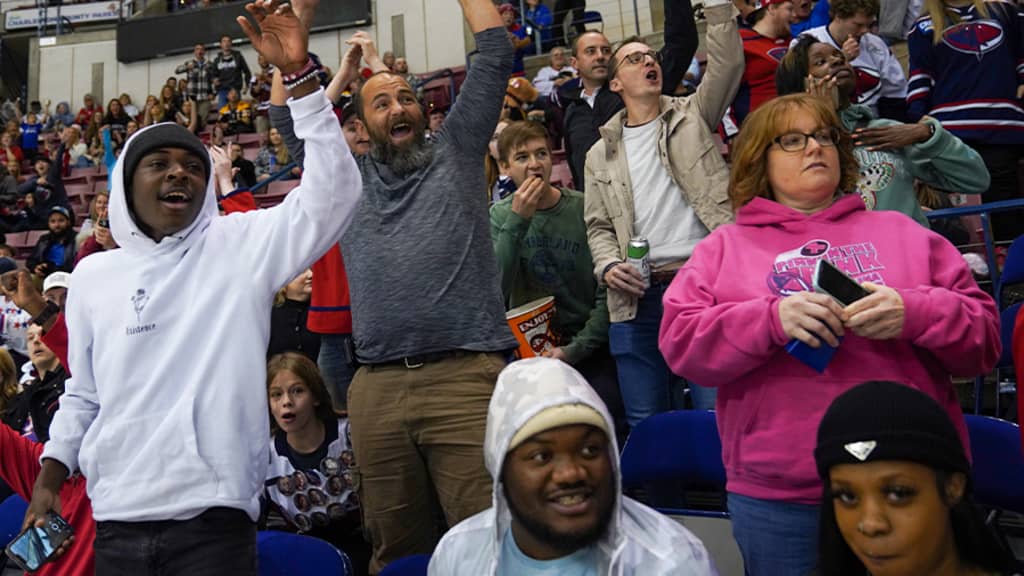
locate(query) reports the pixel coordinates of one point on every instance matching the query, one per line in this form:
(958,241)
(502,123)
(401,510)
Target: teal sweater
(887,177)
(548,255)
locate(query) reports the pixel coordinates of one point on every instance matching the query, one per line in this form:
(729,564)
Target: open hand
(811,318)
(283,39)
(879,316)
(305,9)
(891,137)
(825,87)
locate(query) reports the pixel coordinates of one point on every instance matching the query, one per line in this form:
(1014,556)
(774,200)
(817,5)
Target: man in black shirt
(230,71)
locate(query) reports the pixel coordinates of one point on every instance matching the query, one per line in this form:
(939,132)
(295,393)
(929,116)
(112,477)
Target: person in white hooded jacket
(166,415)
(547,429)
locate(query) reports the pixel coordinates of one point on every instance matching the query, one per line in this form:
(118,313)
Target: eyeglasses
(638,57)
(633,59)
(797,141)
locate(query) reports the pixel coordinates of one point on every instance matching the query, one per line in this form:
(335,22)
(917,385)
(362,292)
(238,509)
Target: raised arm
(360,46)
(481,15)
(294,234)
(471,122)
(725,63)
(680,44)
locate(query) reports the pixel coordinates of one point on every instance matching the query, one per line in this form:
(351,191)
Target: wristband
(46,314)
(309,70)
(607,269)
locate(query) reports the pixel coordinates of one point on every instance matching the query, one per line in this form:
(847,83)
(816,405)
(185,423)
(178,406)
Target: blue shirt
(819,17)
(56,254)
(30,136)
(513,562)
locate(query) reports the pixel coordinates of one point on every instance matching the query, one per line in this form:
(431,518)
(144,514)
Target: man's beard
(569,542)
(405,159)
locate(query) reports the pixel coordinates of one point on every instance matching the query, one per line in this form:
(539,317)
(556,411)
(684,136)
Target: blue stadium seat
(998,469)
(1013,267)
(12,514)
(656,451)
(1007,320)
(408,566)
(287,554)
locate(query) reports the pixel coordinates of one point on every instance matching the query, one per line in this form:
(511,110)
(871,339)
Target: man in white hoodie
(166,415)
(558,504)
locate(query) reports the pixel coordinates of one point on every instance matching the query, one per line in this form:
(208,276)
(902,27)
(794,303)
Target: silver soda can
(638,255)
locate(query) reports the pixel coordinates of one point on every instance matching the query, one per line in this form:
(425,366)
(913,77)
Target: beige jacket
(687,150)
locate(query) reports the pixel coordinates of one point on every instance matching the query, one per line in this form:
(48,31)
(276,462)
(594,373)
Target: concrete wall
(433,34)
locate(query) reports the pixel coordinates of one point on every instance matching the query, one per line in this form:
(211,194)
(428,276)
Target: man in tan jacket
(657,173)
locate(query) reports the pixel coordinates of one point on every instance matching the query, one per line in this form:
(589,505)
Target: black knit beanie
(888,421)
(164,135)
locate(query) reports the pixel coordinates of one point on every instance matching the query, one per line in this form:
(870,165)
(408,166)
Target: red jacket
(19,467)
(330,309)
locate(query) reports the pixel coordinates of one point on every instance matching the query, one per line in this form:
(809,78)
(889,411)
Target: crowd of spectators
(374,298)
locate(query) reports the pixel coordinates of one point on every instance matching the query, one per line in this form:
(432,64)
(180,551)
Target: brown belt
(663,277)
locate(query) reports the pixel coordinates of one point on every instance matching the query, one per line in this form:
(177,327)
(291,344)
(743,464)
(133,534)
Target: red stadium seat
(279,188)
(561,175)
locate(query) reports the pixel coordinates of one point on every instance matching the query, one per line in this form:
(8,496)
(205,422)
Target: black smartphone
(832,281)
(35,546)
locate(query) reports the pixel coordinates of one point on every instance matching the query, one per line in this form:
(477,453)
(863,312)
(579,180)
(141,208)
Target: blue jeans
(222,97)
(775,538)
(648,385)
(336,366)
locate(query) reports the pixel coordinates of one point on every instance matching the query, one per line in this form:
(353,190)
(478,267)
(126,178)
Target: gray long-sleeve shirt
(418,254)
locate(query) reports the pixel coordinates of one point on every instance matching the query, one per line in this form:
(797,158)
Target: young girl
(309,481)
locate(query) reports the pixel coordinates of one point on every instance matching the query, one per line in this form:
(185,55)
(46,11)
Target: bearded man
(427,310)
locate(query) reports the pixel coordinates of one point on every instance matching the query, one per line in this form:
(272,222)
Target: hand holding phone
(40,543)
(832,281)
(879,316)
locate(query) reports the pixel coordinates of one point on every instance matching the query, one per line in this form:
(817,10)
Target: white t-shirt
(15,322)
(660,212)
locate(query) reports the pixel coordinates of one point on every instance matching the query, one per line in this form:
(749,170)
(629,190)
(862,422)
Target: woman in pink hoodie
(746,292)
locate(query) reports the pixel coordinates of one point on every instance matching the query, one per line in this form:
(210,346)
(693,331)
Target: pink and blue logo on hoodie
(793,270)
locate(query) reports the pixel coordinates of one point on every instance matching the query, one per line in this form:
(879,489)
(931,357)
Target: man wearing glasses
(588,103)
(656,173)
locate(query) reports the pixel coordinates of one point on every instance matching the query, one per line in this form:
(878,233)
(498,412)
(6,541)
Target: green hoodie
(548,255)
(886,181)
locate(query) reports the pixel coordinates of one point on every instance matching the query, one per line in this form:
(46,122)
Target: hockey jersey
(316,497)
(762,56)
(968,81)
(879,74)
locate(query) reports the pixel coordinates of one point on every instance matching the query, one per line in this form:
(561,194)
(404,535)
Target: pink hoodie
(721,328)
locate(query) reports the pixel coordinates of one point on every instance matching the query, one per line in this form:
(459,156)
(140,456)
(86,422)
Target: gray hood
(524,389)
(124,228)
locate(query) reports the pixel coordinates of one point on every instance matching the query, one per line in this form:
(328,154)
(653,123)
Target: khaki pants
(900,51)
(202,111)
(418,437)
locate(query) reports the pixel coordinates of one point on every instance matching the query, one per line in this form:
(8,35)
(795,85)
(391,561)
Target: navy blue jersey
(969,80)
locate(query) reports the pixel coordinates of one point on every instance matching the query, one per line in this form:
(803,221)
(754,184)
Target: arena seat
(408,566)
(998,467)
(287,554)
(654,452)
(12,514)
(561,175)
